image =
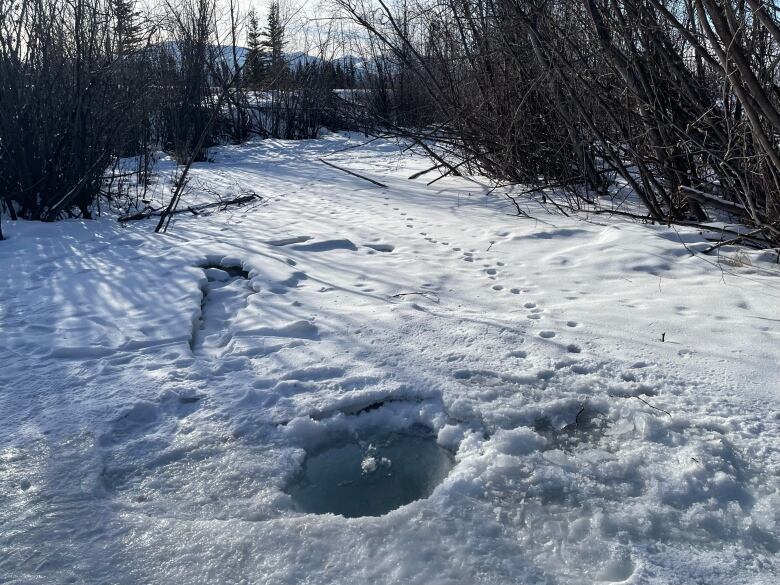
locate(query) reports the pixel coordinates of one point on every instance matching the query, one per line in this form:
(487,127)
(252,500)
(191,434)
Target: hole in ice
(370,472)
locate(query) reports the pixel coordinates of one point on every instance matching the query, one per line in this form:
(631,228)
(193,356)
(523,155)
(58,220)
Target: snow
(158,392)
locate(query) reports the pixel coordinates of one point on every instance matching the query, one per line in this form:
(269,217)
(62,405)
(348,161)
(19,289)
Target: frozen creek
(162,398)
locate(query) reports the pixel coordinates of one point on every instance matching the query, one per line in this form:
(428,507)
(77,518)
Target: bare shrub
(676,99)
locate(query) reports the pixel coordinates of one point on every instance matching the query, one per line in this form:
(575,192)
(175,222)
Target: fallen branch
(714,201)
(520,212)
(193,209)
(426,171)
(353,173)
(737,240)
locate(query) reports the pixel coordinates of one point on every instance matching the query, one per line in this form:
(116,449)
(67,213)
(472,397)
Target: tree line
(85,83)
(674,104)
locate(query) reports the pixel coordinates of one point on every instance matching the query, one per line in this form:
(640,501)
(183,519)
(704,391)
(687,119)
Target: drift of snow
(156,402)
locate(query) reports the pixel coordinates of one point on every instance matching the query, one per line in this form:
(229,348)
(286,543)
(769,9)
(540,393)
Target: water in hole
(370,473)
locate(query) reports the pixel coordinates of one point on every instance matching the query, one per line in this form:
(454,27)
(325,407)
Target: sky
(308,23)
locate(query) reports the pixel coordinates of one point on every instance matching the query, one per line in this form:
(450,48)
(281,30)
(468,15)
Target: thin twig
(654,407)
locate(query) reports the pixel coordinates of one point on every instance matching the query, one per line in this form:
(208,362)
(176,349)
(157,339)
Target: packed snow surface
(158,393)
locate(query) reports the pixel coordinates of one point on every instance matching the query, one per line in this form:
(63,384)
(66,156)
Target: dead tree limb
(353,173)
(419,174)
(194,209)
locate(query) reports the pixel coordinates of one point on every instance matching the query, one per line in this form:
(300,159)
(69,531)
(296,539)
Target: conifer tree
(273,41)
(128,29)
(255,70)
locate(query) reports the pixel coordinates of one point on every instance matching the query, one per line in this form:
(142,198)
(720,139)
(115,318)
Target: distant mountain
(292,58)
(240,53)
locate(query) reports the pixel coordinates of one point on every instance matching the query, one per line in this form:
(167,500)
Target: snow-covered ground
(147,431)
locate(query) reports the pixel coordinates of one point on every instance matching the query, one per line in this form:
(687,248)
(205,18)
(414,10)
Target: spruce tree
(128,29)
(255,59)
(273,41)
